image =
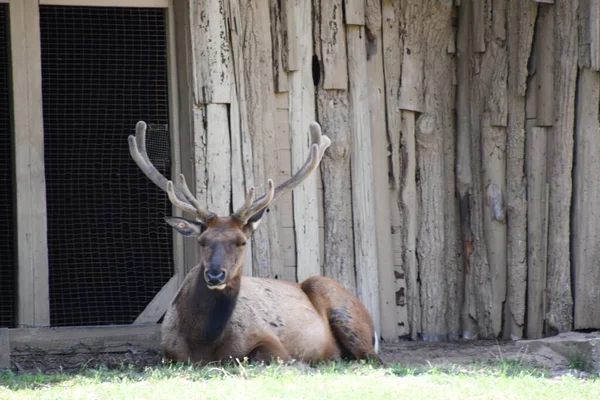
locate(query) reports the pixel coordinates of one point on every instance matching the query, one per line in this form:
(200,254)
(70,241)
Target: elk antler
(319,143)
(181,197)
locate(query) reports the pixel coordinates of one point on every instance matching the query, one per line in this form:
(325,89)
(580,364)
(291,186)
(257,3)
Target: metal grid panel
(7,243)
(110,251)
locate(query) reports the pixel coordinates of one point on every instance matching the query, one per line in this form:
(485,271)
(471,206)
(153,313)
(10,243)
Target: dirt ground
(415,353)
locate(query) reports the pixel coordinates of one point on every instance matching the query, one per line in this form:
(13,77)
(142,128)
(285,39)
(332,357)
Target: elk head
(222,239)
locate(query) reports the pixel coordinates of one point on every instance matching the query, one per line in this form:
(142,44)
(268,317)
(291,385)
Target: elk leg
(269,349)
(348,318)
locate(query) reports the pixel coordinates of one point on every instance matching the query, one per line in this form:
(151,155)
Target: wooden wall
(458,198)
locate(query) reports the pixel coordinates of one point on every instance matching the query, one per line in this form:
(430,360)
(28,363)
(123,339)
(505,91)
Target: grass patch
(502,379)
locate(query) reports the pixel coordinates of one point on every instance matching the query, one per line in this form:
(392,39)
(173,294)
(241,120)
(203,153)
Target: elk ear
(254,220)
(184,226)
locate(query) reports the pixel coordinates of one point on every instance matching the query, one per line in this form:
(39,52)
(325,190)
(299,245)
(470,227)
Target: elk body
(218,314)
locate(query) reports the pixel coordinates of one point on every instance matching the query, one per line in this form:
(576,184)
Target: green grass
(502,380)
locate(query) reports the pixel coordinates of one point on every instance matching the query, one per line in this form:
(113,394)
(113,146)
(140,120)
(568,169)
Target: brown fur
(260,318)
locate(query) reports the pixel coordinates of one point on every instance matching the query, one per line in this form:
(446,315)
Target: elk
(218,314)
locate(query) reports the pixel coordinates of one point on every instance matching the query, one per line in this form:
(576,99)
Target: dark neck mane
(210,309)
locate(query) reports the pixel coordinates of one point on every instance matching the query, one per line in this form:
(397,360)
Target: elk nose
(215,277)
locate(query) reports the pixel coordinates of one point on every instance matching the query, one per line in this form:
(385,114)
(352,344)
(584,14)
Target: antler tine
(259,204)
(137,149)
(240,212)
(202,214)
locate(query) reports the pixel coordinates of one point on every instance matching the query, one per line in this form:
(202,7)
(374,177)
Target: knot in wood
(426,128)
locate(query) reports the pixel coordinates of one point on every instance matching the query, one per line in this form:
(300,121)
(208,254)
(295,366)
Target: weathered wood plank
(586,203)
(362,174)
(277,31)
(464,173)
(387,306)
(333,45)
(338,263)
(218,159)
(439,100)
(559,316)
(594,33)
(4,349)
(478,25)
(301,113)
(537,229)
(545,67)
(290,55)
(199,154)
(493,151)
(411,95)
(411,222)
(521,23)
(392,62)
(89,339)
(333,114)
(354,12)
(30,198)
(160,303)
(254,79)
(185,127)
(430,237)
(211,52)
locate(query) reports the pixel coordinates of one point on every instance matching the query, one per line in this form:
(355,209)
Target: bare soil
(408,353)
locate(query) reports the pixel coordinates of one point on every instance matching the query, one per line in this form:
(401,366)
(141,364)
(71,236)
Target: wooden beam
(301,113)
(30,199)
(160,303)
(4,349)
(86,339)
(363,204)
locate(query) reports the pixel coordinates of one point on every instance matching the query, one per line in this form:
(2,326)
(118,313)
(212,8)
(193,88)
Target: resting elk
(219,315)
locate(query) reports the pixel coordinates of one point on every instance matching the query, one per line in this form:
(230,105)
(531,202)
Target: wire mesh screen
(7,244)
(110,251)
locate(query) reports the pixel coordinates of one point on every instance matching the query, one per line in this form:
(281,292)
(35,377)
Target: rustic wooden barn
(458,198)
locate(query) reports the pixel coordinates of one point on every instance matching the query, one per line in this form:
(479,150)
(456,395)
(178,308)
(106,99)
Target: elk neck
(211,309)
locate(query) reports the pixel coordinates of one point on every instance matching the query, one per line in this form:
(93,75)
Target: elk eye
(240,244)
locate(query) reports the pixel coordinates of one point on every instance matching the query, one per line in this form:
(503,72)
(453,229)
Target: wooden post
(363,206)
(30,199)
